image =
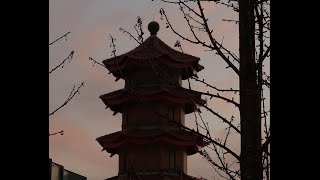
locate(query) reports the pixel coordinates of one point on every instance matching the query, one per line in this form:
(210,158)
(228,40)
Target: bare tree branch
(213,41)
(70,56)
(162,13)
(236,9)
(230,20)
(265,145)
(222,118)
(71,95)
(60,132)
(224,165)
(208,85)
(211,141)
(59,38)
(204,154)
(228,133)
(265,54)
(130,35)
(221,97)
(265,82)
(96,62)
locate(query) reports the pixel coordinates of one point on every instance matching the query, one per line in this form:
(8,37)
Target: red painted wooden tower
(153,143)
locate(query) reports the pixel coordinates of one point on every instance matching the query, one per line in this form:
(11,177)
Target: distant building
(57,172)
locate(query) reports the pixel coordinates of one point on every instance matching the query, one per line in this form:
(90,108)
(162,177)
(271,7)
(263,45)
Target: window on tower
(171,113)
(125,114)
(125,161)
(172,159)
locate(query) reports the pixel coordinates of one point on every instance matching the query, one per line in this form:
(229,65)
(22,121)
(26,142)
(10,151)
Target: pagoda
(153,143)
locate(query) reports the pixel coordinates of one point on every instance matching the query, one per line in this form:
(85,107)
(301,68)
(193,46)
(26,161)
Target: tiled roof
(155,50)
(179,137)
(161,92)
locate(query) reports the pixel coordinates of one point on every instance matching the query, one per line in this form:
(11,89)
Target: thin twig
(60,132)
(71,95)
(59,38)
(96,62)
(70,56)
(208,85)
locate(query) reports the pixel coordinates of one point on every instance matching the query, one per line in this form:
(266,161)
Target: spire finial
(153,27)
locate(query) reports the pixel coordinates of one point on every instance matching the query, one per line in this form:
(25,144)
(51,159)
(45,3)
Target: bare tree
(248,66)
(254,26)
(75,90)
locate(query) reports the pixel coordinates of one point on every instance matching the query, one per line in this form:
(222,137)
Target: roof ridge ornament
(153,27)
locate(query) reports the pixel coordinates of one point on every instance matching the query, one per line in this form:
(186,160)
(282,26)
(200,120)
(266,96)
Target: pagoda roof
(179,137)
(155,50)
(152,174)
(161,92)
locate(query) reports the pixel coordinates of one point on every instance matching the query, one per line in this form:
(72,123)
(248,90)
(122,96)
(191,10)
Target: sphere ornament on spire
(153,27)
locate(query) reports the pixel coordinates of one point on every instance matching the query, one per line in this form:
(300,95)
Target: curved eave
(148,174)
(159,52)
(188,98)
(187,69)
(113,142)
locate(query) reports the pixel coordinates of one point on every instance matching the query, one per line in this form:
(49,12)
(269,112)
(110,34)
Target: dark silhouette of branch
(211,141)
(140,33)
(189,16)
(265,54)
(113,45)
(224,166)
(208,85)
(70,56)
(222,118)
(228,133)
(230,20)
(235,57)
(213,41)
(236,9)
(190,26)
(215,45)
(265,82)
(60,38)
(60,132)
(71,95)
(162,13)
(223,163)
(261,1)
(221,97)
(178,44)
(213,164)
(130,35)
(265,145)
(96,62)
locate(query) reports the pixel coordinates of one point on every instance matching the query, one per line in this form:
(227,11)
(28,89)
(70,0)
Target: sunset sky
(85,118)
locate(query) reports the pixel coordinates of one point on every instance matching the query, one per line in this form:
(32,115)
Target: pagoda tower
(153,143)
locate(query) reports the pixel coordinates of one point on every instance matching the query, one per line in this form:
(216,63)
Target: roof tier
(153,50)
(178,137)
(161,92)
(146,175)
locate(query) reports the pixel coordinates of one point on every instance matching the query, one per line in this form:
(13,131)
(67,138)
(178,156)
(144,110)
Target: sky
(85,117)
